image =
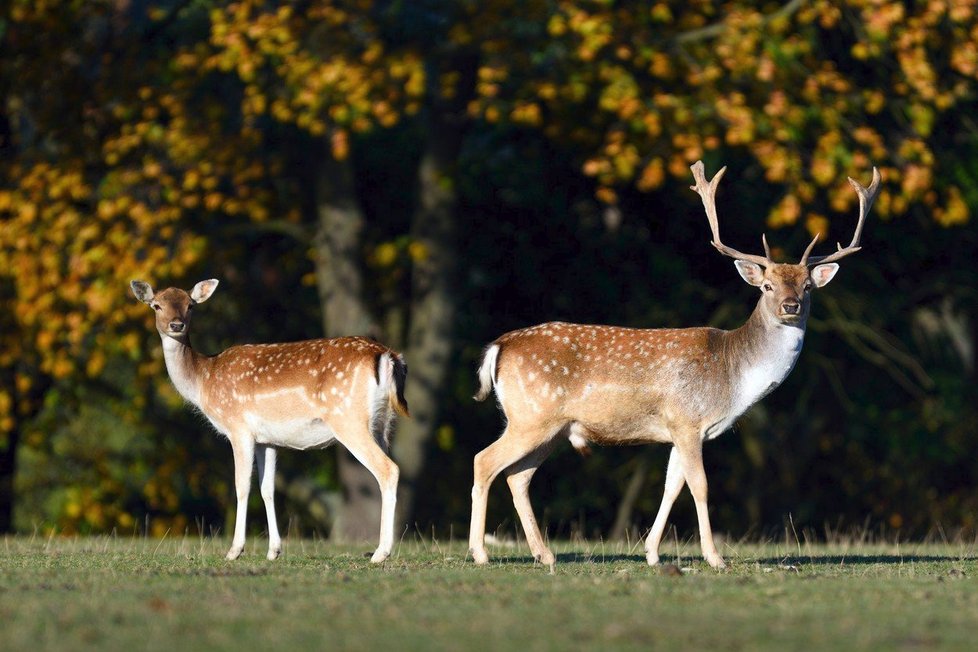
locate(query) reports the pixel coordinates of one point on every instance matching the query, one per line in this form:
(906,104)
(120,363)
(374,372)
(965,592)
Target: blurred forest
(437,172)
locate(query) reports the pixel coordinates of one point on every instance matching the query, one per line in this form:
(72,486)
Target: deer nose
(177,326)
(790,307)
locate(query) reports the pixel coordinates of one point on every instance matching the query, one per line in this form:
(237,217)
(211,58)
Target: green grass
(139,594)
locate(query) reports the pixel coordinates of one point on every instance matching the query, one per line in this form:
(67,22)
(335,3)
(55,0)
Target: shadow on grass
(856,559)
(792,560)
(572,558)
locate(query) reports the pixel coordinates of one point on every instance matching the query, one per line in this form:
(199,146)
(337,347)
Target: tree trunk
(430,337)
(8,444)
(623,518)
(8,469)
(434,297)
(339,278)
(319,507)
(430,333)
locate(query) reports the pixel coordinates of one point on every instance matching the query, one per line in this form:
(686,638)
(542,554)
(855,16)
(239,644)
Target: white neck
(179,359)
(774,349)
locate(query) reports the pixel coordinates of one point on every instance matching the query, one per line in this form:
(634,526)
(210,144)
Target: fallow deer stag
(296,395)
(610,385)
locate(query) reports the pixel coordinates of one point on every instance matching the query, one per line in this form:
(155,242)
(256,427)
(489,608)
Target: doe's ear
(750,272)
(822,274)
(142,290)
(203,290)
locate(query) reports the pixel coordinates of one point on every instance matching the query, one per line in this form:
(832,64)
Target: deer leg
(364,447)
(691,459)
(265,457)
(243,448)
(674,484)
(509,449)
(518,477)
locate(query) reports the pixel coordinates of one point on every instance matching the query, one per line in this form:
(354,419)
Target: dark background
(392,181)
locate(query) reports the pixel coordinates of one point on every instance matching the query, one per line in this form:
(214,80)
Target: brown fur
(609,385)
(294,395)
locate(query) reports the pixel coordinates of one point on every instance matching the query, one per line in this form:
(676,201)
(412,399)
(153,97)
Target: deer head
(173,306)
(786,288)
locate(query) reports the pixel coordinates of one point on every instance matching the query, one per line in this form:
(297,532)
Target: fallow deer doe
(610,385)
(296,395)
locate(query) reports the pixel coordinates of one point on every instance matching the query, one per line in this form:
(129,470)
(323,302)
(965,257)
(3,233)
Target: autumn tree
(105,171)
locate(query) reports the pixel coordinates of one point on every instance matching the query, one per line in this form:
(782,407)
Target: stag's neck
(762,353)
(185,367)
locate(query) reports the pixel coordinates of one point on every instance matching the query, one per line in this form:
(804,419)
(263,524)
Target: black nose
(177,326)
(791,307)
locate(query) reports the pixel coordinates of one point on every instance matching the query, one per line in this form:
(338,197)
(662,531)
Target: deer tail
(393,375)
(487,372)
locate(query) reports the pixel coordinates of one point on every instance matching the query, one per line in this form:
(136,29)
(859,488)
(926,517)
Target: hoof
(716,562)
(274,553)
(547,559)
(234,553)
(652,558)
(379,557)
(480,557)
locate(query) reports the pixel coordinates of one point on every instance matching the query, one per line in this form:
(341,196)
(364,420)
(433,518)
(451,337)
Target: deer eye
(808,286)
(767,287)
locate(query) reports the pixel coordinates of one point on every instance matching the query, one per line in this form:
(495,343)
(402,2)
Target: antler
(866,198)
(707,192)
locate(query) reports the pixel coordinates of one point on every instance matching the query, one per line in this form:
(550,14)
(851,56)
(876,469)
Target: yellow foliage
(785,213)
(606,195)
(817,225)
(955,211)
(385,254)
(95,364)
(653,175)
(418,251)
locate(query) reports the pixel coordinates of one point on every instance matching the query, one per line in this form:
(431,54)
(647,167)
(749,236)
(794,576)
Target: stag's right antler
(866,198)
(707,192)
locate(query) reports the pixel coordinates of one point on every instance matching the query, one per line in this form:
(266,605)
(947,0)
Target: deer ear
(822,274)
(142,290)
(750,272)
(203,290)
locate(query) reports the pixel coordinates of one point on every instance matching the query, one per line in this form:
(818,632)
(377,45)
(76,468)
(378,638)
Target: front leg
(265,456)
(691,459)
(243,448)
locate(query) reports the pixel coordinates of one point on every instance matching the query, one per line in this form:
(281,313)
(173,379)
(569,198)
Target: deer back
(313,385)
(621,384)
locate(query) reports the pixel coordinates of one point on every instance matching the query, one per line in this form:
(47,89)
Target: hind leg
(510,448)
(265,457)
(368,452)
(674,484)
(518,477)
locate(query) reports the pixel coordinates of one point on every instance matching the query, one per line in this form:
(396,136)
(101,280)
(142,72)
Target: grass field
(139,594)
